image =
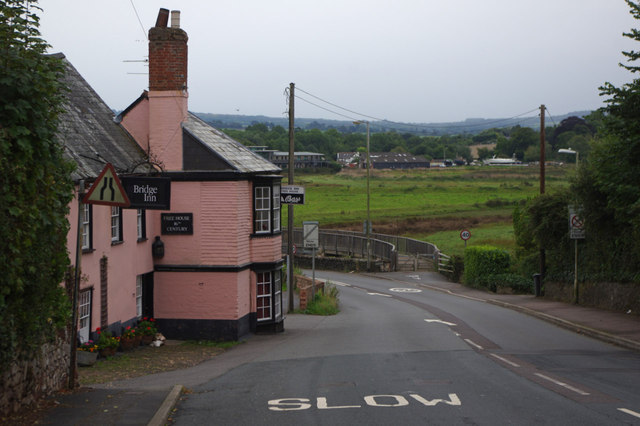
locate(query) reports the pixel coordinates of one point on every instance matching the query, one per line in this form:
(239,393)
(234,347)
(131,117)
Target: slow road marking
(406,290)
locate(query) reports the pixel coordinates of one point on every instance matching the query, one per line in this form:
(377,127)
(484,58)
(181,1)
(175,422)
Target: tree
(35,186)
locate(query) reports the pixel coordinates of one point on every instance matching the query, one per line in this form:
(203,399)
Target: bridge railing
(383,247)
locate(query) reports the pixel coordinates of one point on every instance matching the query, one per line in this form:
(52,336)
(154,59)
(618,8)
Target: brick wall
(167,59)
(304,285)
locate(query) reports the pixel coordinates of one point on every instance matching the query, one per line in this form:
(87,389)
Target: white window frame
(139,296)
(116,224)
(84,315)
(262,209)
(277,294)
(276,208)
(141,225)
(264,294)
(86,226)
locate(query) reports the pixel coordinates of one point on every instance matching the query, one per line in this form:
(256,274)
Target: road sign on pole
(576,224)
(107,190)
(310,234)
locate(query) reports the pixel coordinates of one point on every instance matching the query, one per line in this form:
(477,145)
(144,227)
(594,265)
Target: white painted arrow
(378,294)
(450,324)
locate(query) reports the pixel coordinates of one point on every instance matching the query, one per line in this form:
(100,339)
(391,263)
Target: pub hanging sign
(177,223)
(148,192)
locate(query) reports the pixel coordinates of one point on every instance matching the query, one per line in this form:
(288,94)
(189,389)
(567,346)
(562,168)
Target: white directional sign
(310,234)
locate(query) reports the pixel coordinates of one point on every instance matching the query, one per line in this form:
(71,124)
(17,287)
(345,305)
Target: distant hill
(469,126)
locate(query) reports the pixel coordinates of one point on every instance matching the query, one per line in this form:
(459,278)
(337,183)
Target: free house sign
(177,223)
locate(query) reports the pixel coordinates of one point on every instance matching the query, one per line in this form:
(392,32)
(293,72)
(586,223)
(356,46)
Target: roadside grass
(449,242)
(324,302)
(340,200)
(146,360)
(397,194)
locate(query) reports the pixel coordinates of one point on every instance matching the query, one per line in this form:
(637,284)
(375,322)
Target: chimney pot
(175,19)
(163,18)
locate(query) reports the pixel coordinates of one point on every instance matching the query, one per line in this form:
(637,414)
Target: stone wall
(610,296)
(26,381)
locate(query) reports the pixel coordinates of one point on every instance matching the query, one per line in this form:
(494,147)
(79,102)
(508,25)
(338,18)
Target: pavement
(149,400)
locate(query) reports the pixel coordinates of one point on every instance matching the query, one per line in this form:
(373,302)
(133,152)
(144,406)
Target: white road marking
(338,283)
(631,413)
(450,324)
(564,385)
(415,277)
(406,290)
(513,364)
(473,344)
(379,294)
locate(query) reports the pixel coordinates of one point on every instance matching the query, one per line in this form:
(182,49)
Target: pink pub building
(199,249)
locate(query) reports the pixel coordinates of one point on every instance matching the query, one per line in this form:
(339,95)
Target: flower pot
(147,339)
(86,358)
(138,339)
(127,343)
(107,352)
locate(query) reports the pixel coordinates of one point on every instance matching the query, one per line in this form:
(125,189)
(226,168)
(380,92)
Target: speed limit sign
(465,234)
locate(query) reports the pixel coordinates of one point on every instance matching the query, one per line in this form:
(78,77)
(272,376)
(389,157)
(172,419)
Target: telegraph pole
(542,160)
(290,206)
(542,178)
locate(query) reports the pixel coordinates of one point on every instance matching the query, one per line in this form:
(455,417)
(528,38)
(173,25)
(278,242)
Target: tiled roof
(90,136)
(239,157)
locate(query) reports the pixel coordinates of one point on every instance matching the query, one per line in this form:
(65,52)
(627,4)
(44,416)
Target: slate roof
(88,132)
(236,155)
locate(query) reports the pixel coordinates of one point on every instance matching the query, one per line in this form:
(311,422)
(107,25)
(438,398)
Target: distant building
(384,160)
(301,160)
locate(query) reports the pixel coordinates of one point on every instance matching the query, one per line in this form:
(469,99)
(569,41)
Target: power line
(425,126)
(138,16)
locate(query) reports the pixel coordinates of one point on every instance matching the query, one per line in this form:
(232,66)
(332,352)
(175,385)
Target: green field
(431,205)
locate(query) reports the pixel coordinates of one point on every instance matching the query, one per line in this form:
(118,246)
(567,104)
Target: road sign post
(465,235)
(310,238)
(576,232)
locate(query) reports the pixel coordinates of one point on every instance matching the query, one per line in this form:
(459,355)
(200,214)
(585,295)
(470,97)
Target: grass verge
(324,302)
(150,360)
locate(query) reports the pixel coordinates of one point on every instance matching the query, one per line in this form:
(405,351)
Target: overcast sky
(401,60)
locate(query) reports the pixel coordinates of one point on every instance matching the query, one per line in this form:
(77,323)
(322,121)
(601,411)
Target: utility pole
(75,291)
(290,206)
(542,178)
(542,160)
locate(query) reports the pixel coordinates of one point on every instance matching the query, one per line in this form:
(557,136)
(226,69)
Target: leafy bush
(514,282)
(482,261)
(35,187)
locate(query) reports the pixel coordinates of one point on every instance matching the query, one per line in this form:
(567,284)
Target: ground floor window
(264,296)
(139,296)
(84,315)
(269,295)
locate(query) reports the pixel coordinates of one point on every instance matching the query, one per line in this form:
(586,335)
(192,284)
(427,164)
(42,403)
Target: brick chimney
(168,96)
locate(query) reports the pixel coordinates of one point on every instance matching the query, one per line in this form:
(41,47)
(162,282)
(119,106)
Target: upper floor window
(116,224)
(142,224)
(266,209)
(86,216)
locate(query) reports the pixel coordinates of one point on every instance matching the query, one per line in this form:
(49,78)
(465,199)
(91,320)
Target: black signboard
(152,193)
(177,223)
(290,194)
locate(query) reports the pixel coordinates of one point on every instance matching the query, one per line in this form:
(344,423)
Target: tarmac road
(400,352)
